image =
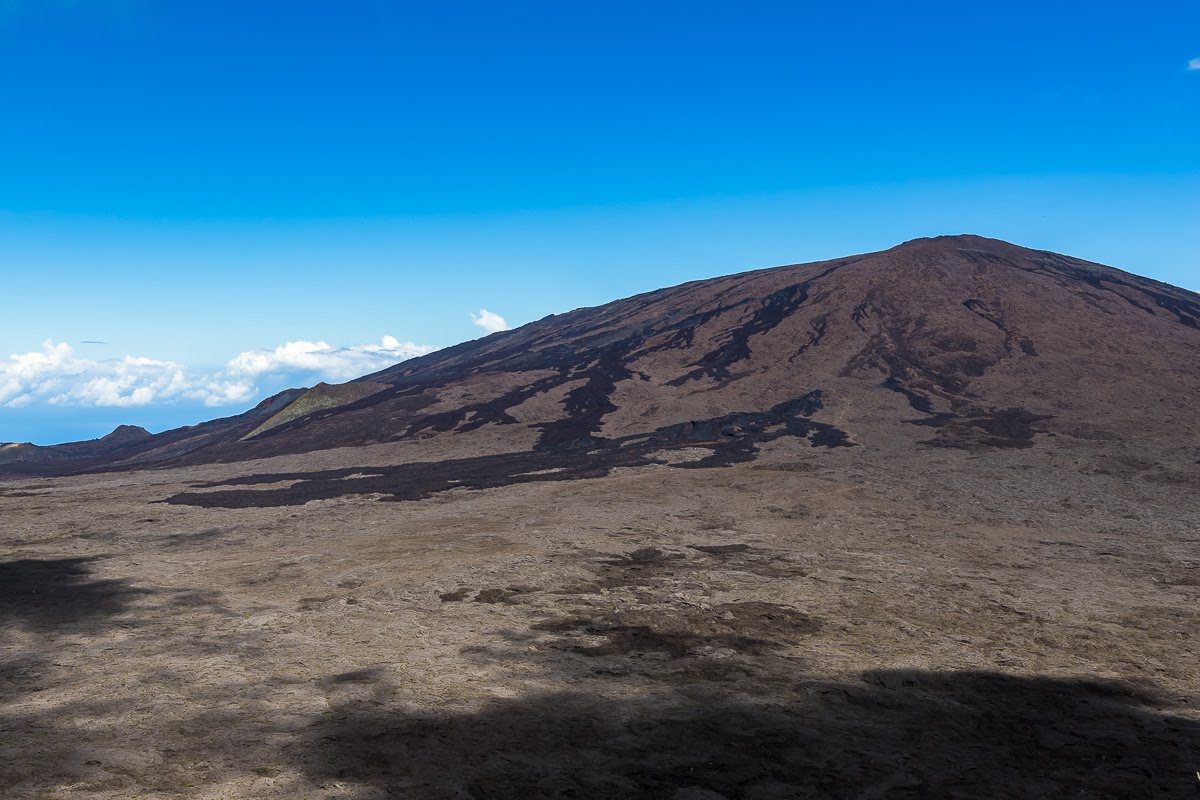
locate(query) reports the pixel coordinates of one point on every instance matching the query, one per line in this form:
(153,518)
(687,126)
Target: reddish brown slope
(960,326)
(982,342)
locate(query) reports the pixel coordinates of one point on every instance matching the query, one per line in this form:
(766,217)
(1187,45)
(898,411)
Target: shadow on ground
(60,595)
(893,734)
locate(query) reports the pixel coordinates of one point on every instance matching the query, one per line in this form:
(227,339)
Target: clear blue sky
(189,181)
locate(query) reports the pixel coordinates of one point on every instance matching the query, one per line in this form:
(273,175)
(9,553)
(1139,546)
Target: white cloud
(1194,64)
(58,376)
(320,358)
(490,322)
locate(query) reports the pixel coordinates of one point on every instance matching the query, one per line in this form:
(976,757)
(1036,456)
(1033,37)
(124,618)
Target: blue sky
(197,184)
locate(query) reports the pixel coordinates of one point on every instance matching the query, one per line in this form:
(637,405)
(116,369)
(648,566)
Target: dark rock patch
(733,438)
(751,627)
(999,428)
(768,313)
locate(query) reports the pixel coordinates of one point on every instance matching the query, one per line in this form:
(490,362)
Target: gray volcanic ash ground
(912,524)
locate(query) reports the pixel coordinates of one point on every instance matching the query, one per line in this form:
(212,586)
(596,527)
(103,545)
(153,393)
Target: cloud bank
(1194,64)
(492,323)
(58,376)
(321,359)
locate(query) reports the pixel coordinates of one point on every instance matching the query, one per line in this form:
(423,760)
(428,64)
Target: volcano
(969,342)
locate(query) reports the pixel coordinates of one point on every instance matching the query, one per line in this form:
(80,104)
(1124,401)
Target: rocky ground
(820,622)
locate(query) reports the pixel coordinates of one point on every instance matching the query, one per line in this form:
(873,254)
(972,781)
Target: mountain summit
(953,341)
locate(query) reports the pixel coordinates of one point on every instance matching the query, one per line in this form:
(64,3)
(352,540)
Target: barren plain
(812,624)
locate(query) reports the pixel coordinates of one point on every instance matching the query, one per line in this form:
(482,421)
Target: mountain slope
(136,446)
(956,341)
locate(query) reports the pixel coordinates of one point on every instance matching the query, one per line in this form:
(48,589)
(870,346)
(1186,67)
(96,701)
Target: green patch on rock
(319,397)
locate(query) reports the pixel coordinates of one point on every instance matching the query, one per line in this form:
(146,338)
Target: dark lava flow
(733,438)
